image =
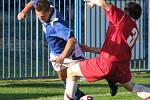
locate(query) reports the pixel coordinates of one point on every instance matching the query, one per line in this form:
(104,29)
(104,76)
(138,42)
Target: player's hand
(21,16)
(59,61)
(92,3)
(84,48)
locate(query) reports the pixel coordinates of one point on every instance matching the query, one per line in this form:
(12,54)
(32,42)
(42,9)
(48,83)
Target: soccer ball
(87,97)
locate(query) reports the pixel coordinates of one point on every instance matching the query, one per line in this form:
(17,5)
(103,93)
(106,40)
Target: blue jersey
(56,33)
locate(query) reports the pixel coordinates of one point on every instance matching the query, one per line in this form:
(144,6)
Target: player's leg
(113,87)
(62,76)
(71,84)
(139,90)
(62,71)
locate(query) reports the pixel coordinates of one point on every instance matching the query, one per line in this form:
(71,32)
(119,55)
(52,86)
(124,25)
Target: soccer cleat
(148,98)
(79,94)
(113,87)
(87,97)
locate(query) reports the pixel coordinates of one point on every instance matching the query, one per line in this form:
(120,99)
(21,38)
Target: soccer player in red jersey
(115,55)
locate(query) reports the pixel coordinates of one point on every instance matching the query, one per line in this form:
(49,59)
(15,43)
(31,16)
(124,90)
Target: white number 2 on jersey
(131,39)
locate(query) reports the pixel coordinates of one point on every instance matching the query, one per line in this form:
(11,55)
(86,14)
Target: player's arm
(86,48)
(103,3)
(23,13)
(68,48)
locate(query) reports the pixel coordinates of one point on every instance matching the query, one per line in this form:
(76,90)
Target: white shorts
(75,57)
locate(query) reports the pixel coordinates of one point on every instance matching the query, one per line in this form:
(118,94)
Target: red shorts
(100,68)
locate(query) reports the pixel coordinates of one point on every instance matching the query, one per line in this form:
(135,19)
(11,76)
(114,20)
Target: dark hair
(133,9)
(42,5)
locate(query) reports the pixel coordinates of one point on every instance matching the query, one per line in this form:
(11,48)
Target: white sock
(71,88)
(141,91)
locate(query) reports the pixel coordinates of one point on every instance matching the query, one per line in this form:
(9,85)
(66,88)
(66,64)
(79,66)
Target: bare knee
(62,75)
(129,85)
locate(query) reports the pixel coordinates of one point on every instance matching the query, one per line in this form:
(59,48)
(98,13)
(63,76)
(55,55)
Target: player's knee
(129,85)
(62,75)
(62,78)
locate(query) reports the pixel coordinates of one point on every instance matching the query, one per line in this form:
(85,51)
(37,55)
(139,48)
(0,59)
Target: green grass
(52,89)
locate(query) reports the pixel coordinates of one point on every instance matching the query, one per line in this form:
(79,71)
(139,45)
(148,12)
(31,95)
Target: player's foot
(113,87)
(78,95)
(148,98)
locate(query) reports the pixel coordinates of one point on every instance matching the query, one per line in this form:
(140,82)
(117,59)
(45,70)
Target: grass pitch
(52,89)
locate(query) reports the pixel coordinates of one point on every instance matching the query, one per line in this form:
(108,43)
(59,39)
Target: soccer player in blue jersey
(64,49)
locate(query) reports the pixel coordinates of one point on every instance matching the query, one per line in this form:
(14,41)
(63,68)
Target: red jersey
(115,55)
(121,36)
